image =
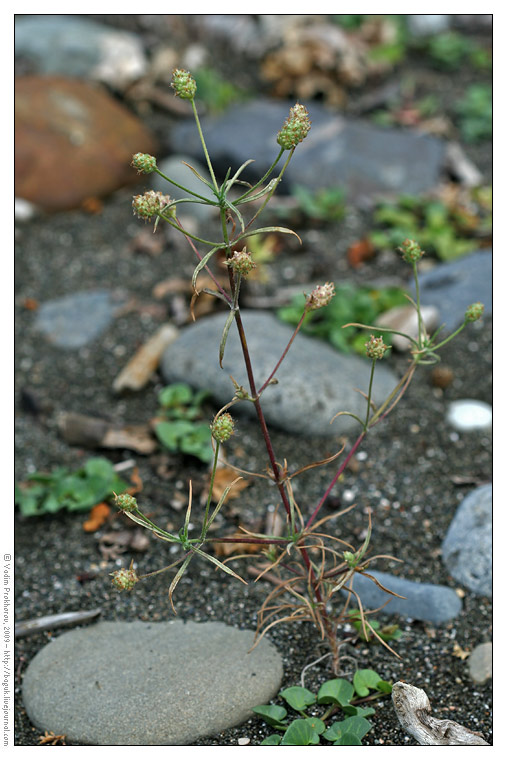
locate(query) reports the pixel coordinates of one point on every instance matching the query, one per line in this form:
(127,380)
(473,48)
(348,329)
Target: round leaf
(299,733)
(364,680)
(272,714)
(337,691)
(298,697)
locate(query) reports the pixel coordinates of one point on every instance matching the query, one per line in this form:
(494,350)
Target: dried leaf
(98,516)
(223,478)
(457,651)
(226,549)
(145,361)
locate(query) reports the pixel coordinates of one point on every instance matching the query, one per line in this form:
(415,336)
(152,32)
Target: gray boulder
(315,381)
(424,601)
(467,549)
(364,159)
(149,683)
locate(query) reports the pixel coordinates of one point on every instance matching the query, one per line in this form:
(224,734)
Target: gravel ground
(413,470)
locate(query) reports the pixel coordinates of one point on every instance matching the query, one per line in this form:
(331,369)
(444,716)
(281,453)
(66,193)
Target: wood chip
(144,363)
(95,432)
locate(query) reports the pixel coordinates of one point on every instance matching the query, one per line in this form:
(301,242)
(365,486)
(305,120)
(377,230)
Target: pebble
(404,319)
(468,414)
(73,142)
(139,683)
(480,663)
(364,159)
(452,286)
(78,319)
(427,24)
(467,549)
(424,601)
(77,47)
(315,381)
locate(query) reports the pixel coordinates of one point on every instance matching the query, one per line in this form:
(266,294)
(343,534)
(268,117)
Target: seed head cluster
(150,204)
(320,296)
(296,127)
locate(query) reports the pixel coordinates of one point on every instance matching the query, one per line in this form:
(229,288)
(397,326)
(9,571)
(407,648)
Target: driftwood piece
(49,622)
(143,364)
(413,710)
(95,432)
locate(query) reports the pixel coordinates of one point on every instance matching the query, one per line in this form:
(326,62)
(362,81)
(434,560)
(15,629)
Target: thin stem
(189,241)
(264,178)
(208,201)
(442,343)
(369,396)
(335,478)
(189,234)
(203,143)
(213,473)
(418,302)
(275,185)
(289,344)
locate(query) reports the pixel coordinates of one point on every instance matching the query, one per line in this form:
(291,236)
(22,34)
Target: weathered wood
(413,709)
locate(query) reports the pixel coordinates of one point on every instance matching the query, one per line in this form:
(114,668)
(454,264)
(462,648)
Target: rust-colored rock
(73,142)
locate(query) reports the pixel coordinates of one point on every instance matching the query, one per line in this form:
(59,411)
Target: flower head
(320,296)
(376,348)
(144,163)
(411,251)
(150,204)
(296,127)
(242,262)
(125,502)
(125,579)
(183,84)
(222,427)
(474,312)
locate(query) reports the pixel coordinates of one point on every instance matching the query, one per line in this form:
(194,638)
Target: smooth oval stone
(149,683)
(468,414)
(423,601)
(467,549)
(314,381)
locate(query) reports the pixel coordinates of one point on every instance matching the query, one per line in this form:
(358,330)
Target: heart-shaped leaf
(299,733)
(298,697)
(364,680)
(273,715)
(337,691)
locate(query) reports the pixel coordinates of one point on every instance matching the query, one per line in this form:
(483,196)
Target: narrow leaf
(220,565)
(225,333)
(285,230)
(202,264)
(176,579)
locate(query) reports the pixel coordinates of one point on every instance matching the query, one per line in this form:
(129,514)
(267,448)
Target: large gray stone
(315,381)
(364,159)
(467,549)
(75,320)
(149,683)
(424,601)
(78,47)
(454,285)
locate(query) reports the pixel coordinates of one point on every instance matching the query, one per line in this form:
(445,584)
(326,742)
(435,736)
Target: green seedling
(327,205)
(351,304)
(180,430)
(450,50)
(216,92)
(444,231)
(475,113)
(334,696)
(76,491)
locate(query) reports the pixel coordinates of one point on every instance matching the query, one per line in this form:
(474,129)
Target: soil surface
(412,472)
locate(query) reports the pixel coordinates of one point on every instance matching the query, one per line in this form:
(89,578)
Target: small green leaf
(177,394)
(348,740)
(317,725)
(355,725)
(299,733)
(273,715)
(271,740)
(385,686)
(338,691)
(362,712)
(364,680)
(171,433)
(298,697)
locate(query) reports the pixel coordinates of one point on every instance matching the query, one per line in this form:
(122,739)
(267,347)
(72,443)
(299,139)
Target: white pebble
(244,740)
(468,414)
